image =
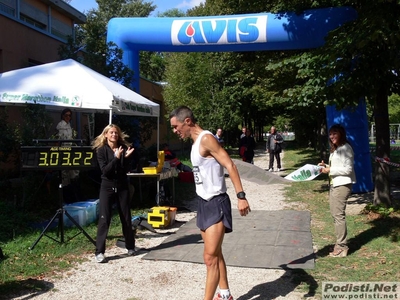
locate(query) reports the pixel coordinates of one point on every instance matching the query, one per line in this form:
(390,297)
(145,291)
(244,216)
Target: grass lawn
(374,240)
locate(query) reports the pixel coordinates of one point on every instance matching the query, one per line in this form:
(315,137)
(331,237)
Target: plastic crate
(84,212)
(158,216)
(93,210)
(78,213)
(161,216)
(149,170)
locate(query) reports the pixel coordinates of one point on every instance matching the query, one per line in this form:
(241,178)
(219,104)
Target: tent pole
(78,125)
(110,117)
(158,149)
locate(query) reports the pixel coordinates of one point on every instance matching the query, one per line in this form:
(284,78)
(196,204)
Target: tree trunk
(323,142)
(323,137)
(382,178)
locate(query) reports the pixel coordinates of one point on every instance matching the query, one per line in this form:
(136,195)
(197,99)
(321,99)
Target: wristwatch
(241,195)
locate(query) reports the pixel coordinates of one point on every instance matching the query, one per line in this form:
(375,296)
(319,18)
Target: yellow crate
(158,216)
(150,170)
(161,216)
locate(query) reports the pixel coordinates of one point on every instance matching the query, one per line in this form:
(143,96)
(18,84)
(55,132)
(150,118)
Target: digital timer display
(58,157)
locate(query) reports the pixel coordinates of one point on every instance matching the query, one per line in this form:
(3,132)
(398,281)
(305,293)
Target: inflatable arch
(249,32)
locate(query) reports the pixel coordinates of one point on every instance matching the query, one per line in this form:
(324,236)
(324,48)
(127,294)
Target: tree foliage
(363,59)
(193,81)
(394,108)
(8,143)
(37,122)
(241,79)
(359,60)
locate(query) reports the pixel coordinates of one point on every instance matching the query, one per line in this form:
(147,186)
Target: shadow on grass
(388,227)
(282,286)
(30,288)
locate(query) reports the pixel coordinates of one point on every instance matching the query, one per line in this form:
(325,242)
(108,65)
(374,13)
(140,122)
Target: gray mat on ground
(263,239)
(258,175)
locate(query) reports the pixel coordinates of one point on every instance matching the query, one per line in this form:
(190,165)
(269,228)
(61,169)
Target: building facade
(33,30)
(31,33)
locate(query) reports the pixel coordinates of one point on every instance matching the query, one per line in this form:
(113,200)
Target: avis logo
(219,31)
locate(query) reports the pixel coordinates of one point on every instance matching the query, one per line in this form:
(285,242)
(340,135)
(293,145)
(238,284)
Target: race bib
(196,175)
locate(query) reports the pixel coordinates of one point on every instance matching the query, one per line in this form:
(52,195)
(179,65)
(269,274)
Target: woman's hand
(129,151)
(325,168)
(322,164)
(118,152)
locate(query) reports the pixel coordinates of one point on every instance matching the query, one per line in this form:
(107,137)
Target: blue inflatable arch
(250,32)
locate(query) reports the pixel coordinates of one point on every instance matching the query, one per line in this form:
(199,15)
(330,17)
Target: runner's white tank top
(208,173)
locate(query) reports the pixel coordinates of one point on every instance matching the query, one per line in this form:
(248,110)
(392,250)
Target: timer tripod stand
(60,216)
(58,158)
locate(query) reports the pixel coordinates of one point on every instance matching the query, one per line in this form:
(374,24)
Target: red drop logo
(190,30)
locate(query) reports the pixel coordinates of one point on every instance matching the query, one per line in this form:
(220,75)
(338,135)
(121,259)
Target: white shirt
(208,173)
(341,163)
(64,130)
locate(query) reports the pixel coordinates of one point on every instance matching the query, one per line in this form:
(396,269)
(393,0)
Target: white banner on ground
(306,172)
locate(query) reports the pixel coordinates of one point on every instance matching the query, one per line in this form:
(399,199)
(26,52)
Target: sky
(162,5)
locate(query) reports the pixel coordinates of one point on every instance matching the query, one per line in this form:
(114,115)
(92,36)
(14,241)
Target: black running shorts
(216,209)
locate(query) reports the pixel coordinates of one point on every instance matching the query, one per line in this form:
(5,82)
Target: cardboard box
(172,215)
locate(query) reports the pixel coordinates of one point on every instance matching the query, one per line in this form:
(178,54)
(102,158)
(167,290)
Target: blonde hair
(101,139)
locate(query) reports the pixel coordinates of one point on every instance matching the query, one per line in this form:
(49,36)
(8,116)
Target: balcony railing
(7,9)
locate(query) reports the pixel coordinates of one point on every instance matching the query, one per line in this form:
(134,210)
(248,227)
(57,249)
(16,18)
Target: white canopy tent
(68,83)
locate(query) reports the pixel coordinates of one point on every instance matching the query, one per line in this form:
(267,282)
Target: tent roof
(68,83)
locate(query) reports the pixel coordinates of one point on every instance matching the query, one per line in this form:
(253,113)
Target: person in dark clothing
(274,148)
(114,157)
(247,145)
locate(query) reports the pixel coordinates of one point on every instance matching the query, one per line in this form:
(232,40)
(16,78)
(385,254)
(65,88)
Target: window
(32,22)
